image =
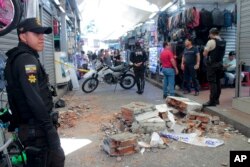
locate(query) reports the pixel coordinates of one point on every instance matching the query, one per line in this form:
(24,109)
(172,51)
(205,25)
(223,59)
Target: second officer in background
(138,57)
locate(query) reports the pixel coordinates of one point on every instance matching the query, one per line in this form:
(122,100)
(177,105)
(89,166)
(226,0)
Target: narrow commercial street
(100,107)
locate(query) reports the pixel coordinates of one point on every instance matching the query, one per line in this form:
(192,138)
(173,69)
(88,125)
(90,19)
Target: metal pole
(239,63)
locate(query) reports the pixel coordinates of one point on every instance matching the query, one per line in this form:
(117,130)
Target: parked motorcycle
(111,75)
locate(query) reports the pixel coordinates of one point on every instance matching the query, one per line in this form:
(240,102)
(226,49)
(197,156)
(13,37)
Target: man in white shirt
(230,69)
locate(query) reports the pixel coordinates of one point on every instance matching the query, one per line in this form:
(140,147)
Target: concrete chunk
(150,127)
(154,120)
(179,128)
(120,144)
(147,115)
(183,104)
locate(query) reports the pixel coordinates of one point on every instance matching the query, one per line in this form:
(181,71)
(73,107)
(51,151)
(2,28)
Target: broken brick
(203,119)
(204,126)
(183,104)
(126,143)
(120,144)
(127,150)
(163,115)
(197,123)
(190,123)
(192,117)
(128,112)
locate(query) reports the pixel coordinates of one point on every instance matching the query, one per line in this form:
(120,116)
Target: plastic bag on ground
(193,139)
(156,140)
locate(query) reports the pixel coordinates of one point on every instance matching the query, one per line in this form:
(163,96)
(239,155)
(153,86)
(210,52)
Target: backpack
(206,19)
(218,17)
(228,20)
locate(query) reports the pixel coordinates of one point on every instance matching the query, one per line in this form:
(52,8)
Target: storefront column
(63,34)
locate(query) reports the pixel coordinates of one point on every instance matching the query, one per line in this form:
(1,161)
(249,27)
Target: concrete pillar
(63,34)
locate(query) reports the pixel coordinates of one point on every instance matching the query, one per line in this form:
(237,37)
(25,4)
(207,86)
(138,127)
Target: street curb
(243,128)
(158,85)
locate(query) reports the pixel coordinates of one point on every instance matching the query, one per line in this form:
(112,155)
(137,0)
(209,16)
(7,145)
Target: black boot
(209,104)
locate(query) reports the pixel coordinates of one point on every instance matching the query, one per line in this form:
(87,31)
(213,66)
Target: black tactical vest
(16,98)
(216,55)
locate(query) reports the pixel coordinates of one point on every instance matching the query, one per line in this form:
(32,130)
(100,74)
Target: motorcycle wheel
(89,85)
(127,81)
(13,9)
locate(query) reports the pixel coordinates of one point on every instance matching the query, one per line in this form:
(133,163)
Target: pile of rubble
(68,119)
(179,119)
(142,118)
(71,112)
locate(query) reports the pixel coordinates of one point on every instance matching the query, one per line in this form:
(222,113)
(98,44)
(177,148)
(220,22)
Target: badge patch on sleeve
(32,78)
(30,69)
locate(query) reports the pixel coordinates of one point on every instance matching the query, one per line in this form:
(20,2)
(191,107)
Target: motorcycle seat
(117,68)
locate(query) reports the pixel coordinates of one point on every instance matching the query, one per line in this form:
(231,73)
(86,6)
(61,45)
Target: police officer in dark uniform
(214,53)
(139,58)
(30,97)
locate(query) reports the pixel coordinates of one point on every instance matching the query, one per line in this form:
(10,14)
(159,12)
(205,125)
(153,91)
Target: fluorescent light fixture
(150,22)
(173,8)
(57,2)
(183,2)
(61,8)
(152,15)
(142,5)
(166,6)
(67,18)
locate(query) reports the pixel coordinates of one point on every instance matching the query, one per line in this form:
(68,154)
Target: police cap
(33,25)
